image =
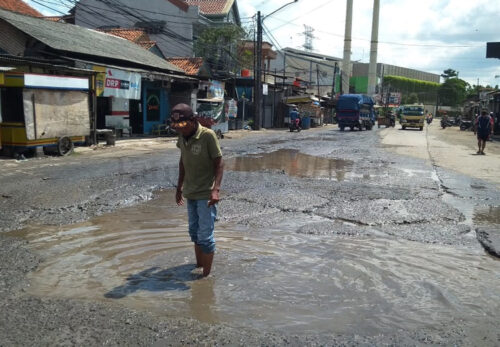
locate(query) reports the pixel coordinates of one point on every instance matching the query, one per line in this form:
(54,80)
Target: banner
(215,89)
(231,108)
(119,84)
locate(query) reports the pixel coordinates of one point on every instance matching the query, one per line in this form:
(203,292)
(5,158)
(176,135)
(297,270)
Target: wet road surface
(319,234)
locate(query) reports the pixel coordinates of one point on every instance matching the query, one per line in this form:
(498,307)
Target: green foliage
(453,92)
(425,91)
(410,99)
(449,73)
(219,47)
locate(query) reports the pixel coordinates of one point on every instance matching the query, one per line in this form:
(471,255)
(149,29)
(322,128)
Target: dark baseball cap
(182,112)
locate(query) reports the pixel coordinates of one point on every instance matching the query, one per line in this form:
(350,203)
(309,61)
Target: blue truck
(355,111)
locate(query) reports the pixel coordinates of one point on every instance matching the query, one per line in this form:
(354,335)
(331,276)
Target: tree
(413,98)
(453,92)
(449,73)
(219,47)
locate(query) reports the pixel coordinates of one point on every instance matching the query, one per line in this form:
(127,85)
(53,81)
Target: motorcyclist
(294,115)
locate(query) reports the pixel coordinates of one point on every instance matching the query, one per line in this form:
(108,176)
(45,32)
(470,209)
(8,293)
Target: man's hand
(178,197)
(214,197)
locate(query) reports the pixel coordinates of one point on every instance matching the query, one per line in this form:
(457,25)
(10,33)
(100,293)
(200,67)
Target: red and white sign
(122,84)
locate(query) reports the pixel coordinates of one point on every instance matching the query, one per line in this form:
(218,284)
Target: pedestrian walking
(200,177)
(483,130)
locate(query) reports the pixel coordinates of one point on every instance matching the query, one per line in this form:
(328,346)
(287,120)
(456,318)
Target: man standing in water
(200,177)
(483,130)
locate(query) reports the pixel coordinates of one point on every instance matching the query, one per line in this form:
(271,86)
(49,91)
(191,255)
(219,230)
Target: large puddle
(293,163)
(141,257)
(487,215)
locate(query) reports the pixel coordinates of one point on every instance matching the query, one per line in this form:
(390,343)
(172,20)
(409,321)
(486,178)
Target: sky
(427,35)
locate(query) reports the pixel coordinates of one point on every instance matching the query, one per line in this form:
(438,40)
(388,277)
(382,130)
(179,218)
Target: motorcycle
(446,123)
(465,125)
(392,121)
(295,125)
(429,120)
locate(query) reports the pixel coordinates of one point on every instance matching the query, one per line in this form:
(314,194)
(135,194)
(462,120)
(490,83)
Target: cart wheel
(65,146)
(219,134)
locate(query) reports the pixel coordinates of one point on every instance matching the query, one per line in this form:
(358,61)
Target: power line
(178,41)
(302,15)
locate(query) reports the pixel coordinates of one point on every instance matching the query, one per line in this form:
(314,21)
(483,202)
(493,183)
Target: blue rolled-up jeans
(201,224)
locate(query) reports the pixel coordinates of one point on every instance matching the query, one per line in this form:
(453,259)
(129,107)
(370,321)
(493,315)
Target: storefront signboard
(122,84)
(55,82)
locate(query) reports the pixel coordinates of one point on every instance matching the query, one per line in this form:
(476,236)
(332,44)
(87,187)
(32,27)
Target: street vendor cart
(211,114)
(47,111)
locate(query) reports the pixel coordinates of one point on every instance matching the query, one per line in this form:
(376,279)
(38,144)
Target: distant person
(483,130)
(294,114)
(492,119)
(200,177)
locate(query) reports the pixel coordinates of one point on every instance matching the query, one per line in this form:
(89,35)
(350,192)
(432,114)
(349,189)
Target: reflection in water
(487,215)
(273,278)
(202,301)
(293,163)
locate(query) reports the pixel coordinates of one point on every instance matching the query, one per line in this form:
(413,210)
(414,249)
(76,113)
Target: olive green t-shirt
(198,154)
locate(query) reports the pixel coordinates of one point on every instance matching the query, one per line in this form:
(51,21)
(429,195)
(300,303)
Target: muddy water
(487,215)
(293,163)
(141,257)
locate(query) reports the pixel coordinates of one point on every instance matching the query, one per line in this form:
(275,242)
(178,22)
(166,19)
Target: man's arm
(218,173)
(180,182)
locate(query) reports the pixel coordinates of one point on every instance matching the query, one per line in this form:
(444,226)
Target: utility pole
(334,80)
(258,75)
(258,67)
(309,36)
(346,64)
(372,69)
(317,80)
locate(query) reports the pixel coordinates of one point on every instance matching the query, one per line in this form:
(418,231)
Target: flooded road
(141,257)
(292,163)
(324,238)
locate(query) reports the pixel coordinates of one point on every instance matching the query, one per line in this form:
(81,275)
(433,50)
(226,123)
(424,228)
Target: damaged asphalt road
(321,184)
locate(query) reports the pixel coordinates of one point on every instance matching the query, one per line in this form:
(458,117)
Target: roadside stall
(39,110)
(310,110)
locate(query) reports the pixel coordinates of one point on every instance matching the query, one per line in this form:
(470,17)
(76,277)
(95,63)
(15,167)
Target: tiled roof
(53,18)
(212,7)
(137,36)
(180,4)
(19,6)
(146,44)
(191,66)
(78,41)
(134,35)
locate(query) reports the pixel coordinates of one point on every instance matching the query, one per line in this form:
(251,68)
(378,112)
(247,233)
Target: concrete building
(172,24)
(220,11)
(312,69)
(167,22)
(359,79)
